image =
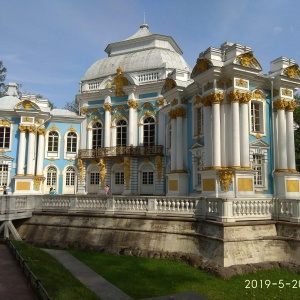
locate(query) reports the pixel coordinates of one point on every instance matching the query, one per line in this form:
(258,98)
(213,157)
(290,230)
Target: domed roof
(11,98)
(140,52)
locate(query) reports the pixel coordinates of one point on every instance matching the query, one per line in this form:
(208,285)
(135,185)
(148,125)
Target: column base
(177,183)
(287,184)
(27,184)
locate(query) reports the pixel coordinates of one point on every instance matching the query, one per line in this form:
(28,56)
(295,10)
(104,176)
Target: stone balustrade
(217,209)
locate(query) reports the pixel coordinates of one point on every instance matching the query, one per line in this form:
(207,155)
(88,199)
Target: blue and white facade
(148,124)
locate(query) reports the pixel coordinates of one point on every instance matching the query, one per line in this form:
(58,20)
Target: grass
(144,278)
(58,281)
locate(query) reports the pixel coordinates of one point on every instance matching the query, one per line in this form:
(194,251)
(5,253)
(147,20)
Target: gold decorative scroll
(174,102)
(72,129)
(84,110)
(238,96)
(119,82)
(4,122)
(37,181)
(201,66)
(160,101)
(291,105)
(292,71)
(80,167)
(241,82)
(257,94)
(169,85)
(158,160)
(31,128)
(226,179)
(22,128)
(107,106)
(248,60)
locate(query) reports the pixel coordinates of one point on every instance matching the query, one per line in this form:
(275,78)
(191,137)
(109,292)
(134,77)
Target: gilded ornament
(37,181)
(148,113)
(72,129)
(146,160)
(27,104)
(93,162)
(126,165)
(107,106)
(291,105)
(119,117)
(160,101)
(287,92)
(174,102)
(53,128)
(132,104)
(220,84)
(245,98)
(169,85)
(208,86)
(41,131)
(280,104)
(27,119)
(247,60)
(80,167)
(158,161)
(258,136)
(206,100)
(257,94)
(229,83)
(84,110)
(180,112)
(275,93)
(119,82)
(4,122)
(241,82)
(102,167)
(226,179)
(201,66)
(183,100)
(292,71)
(198,100)
(217,97)
(22,128)
(95,118)
(172,114)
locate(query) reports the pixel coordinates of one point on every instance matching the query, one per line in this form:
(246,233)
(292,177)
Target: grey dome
(137,61)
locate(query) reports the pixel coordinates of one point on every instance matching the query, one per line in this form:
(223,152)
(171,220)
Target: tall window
(3,175)
(97,135)
(257,166)
(149,132)
(121,133)
(257,117)
(199,123)
(53,141)
(72,142)
(70,176)
(4,137)
(51,176)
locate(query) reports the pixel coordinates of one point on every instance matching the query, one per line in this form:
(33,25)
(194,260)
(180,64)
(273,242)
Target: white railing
(217,209)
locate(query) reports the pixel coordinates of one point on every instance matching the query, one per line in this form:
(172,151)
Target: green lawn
(143,278)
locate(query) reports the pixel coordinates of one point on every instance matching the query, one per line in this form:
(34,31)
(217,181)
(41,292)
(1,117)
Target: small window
(3,175)
(4,137)
(53,141)
(257,117)
(199,122)
(72,142)
(257,165)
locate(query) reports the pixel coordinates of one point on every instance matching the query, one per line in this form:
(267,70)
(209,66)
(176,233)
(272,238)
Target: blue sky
(47,46)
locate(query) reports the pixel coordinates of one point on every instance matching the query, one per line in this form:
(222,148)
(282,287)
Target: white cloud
(277,30)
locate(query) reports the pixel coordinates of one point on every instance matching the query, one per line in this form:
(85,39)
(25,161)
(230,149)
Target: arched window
(97,135)
(70,176)
(51,176)
(149,132)
(121,133)
(94,176)
(72,142)
(53,141)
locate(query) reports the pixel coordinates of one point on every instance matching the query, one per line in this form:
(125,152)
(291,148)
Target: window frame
(123,133)
(260,115)
(52,154)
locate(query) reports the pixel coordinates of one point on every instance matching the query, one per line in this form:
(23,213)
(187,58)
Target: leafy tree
(3,71)
(72,106)
(297,132)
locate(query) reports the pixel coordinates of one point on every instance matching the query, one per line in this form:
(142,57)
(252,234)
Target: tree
(3,71)
(297,132)
(72,106)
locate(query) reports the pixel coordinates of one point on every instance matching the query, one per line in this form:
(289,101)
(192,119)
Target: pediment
(259,144)
(4,157)
(27,105)
(196,146)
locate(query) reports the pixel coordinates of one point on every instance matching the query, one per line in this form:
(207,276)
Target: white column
(31,150)
(179,143)
(173,142)
(107,107)
(236,153)
(40,152)
(207,136)
(216,135)
(113,141)
(22,150)
(282,146)
(133,105)
(291,161)
(245,159)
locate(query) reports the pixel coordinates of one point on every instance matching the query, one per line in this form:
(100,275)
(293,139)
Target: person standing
(4,190)
(106,190)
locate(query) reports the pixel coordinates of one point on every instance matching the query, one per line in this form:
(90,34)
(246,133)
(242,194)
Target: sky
(47,46)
